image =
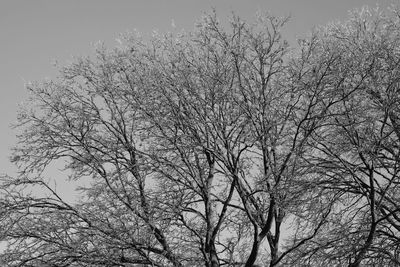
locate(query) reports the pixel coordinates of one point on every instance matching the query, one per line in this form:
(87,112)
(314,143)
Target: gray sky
(36,33)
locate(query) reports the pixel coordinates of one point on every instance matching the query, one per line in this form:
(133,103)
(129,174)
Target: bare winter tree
(221,147)
(355,154)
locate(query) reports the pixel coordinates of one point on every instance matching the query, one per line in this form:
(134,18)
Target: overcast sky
(36,33)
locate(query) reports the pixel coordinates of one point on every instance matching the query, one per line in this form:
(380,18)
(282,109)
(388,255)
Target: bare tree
(220,147)
(355,155)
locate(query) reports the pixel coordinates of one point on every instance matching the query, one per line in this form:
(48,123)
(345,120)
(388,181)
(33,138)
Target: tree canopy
(219,147)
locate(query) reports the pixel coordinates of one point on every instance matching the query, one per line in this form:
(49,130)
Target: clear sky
(36,33)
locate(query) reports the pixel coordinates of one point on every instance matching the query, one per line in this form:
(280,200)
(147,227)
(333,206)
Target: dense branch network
(221,147)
